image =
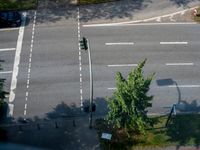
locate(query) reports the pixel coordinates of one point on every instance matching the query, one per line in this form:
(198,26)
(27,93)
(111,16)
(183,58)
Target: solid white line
(141,24)
(179,64)
(4,72)
(170,43)
(17,59)
(120,43)
(184,86)
(10,110)
(9,29)
(123,65)
(7,49)
(141,21)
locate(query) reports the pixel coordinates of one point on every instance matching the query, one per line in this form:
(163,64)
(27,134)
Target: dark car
(10,19)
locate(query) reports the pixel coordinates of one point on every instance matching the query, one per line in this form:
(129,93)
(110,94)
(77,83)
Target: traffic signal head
(83,44)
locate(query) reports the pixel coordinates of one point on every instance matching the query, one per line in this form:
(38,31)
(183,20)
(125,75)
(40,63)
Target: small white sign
(106,136)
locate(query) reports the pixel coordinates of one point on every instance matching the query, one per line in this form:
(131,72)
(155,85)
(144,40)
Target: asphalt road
(134,44)
(52,79)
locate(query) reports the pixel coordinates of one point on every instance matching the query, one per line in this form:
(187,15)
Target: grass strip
(182,130)
(17,4)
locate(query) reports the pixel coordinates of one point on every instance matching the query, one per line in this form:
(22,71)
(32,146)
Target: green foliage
(127,106)
(2,92)
(17,4)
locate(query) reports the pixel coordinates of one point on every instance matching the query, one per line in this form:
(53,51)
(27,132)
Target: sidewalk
(132,10)
(59,134)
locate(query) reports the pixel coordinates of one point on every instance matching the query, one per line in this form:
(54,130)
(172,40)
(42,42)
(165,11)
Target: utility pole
(85,45)
(91,85)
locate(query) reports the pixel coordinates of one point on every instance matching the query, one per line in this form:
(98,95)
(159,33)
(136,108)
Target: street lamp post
(85,45)
(91,85)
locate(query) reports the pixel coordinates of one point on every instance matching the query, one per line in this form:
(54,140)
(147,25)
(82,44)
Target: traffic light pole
(91,85)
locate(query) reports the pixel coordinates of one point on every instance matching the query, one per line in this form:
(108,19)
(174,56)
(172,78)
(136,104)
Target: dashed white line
(5,72)
(7,49)
(25,106)
(184,86)
(123,65)
(169,86)
(17,60)
(120,43)
(173,43)
(113,88)
(80,60)
(25,112)
(179,64)
(29,64)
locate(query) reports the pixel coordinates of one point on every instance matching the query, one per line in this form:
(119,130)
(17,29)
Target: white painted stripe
(25,106)
(9,29)
(7,49)
(179,64)
(123,65)
(10,110)
(184,86)
(17,60)
(26,94)
(5,72)
(120,43)
(138,23)
(144,20)
(113,88)
(25,112)
(170,43)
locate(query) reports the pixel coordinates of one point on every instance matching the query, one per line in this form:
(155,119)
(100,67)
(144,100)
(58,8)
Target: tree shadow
(50,11)
(113,10)
(182,2)
(65,127)
(100,104)
(185,129)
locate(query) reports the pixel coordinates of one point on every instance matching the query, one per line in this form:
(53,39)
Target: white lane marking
(120,43)
(173,43)
(10,110)
(113,88)
(184,86)
(139,21)
(179,64)
(7,49)
(5,72)
(29,63)
(17,59)
(9,29)
(123,65)
(80,59)
(169,86)
(142,24)
(25,112)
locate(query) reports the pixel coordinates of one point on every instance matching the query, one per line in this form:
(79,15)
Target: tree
(127,106)
(2,93)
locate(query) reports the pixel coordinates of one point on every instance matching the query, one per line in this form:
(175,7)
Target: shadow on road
(50,11)
(65,127)
(182,2)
